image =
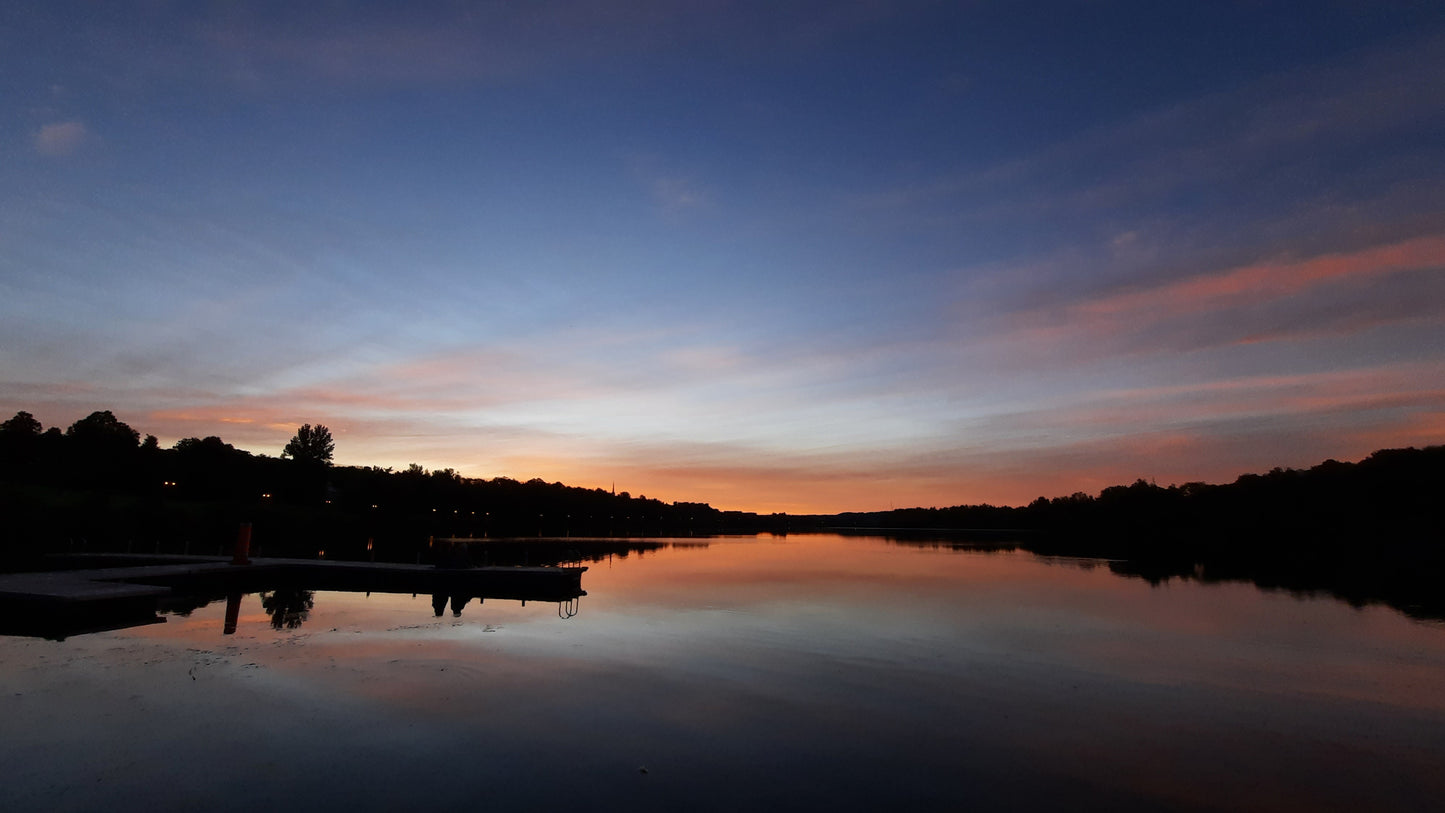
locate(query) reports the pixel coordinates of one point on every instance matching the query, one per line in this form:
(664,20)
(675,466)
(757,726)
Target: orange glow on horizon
(1116,449)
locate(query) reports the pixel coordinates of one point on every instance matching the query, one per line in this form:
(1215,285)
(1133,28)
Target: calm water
(811,672)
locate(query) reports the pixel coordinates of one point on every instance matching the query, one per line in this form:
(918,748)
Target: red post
(242,555)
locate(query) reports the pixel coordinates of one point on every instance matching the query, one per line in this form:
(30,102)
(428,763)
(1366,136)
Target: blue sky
(821,256)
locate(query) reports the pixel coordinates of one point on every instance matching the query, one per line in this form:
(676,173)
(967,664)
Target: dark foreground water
(806,673)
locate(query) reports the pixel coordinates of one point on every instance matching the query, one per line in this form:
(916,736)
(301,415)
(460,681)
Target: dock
(123,591)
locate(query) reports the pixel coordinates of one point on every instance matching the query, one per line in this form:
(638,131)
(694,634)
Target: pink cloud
(1263,282)
(1415,386)
(1419,429)
(1321,297)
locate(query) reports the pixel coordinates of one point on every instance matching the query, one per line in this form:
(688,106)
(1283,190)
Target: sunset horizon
(660,492)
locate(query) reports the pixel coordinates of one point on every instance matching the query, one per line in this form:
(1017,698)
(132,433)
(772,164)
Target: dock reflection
(458,601)
(65,603)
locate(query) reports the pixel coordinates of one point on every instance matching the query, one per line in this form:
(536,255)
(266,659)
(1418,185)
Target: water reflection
(58,626)
(288,607)
(233,613)
(61,604)
(288,603)
(1354,578)
(812,672)
(548,551)
(458,601)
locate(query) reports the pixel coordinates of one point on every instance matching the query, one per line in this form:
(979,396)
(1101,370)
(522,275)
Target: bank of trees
(1391,498)
(98,485)
(1364,532)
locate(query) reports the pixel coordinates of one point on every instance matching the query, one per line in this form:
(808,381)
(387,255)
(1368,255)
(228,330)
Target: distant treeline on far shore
(1394,495)
(97,485)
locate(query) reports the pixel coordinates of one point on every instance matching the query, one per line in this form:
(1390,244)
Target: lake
(809,672)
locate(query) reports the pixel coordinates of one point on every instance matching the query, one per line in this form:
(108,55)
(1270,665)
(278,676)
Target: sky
(803,257)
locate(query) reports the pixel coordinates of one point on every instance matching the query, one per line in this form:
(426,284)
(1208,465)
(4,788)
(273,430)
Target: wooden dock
(57,603)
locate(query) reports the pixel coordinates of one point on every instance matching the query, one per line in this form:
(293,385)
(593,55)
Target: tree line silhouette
(1391,497)
(99,486)
(1367,531)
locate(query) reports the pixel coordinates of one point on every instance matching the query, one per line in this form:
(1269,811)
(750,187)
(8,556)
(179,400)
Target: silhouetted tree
(20,442)
(211,446)
(210,468)
(22,425)
(311,444)
(100,451)
(102,431)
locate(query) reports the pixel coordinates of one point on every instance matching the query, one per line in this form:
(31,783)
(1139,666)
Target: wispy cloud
(1265,282)
(1331,294)
(1306,397)
(1276,128)
(674,193)
(60,138)
(1303,310)
(1285,164)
